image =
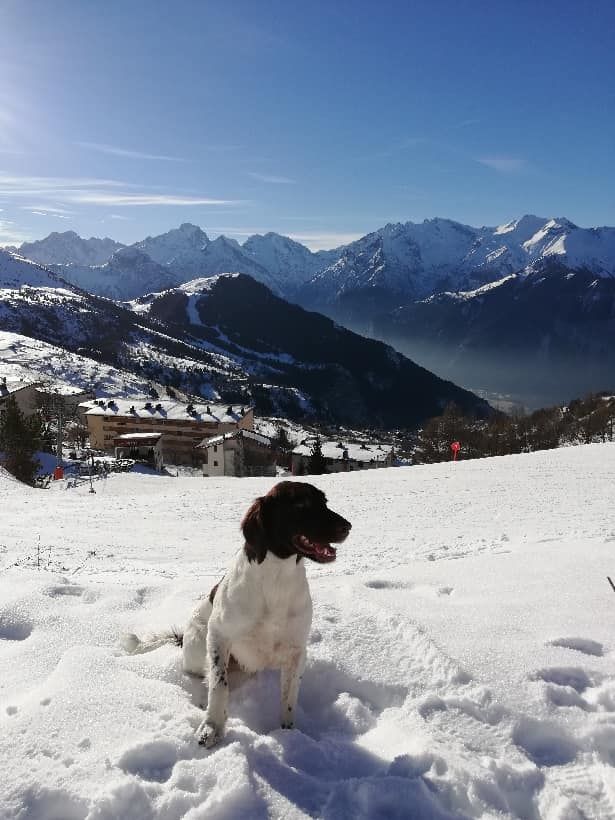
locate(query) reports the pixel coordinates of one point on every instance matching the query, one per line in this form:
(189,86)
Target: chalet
(145,447)
(182,426)
(239,453)
(24,394)
(342,458)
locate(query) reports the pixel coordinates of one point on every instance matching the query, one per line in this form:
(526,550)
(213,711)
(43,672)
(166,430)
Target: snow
(355,452)
(69,248)
(144,436)
(413,260)
(233,434)
(165,408)
(460,663)
(15,272)
(30,360)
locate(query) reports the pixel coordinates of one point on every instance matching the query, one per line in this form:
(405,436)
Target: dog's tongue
(320,552)
(325,551)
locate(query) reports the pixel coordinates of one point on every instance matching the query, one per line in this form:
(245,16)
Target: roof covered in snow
(13,386)
(208,442)
(165,409)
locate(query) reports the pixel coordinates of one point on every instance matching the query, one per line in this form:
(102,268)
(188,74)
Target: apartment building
(182,426)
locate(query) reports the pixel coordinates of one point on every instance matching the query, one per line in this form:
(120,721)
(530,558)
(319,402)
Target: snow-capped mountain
(542,336)
(224,254)
(348,378)
(180,248)
(289,262)
(409,261)
(397,263)
(401,265)
(230,338)
(129,273)
(68,248)
(15,272)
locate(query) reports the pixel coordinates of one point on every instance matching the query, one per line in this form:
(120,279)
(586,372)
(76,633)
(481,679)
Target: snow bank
(460,660)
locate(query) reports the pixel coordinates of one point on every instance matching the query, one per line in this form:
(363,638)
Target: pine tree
(20,438)
(317,464)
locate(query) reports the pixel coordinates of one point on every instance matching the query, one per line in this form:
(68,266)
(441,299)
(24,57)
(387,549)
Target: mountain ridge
(406,259)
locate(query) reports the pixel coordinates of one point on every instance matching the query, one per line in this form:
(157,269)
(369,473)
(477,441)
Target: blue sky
(321,121)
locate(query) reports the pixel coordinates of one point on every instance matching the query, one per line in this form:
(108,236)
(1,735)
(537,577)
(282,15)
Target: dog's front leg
(290,680)
(212,728)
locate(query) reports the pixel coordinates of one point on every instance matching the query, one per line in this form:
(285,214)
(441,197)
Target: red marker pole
(455,447)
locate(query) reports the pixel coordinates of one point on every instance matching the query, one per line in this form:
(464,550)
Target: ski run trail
(461,661)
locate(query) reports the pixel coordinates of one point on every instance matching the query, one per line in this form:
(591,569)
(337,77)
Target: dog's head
(293,519)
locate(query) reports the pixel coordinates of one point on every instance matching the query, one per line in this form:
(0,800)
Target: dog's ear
(254,528)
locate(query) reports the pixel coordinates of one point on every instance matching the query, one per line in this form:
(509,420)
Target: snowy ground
(461,662)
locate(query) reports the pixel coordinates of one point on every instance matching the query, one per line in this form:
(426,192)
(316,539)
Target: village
(92,434)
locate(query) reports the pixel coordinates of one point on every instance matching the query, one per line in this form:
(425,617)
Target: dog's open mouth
(316,550)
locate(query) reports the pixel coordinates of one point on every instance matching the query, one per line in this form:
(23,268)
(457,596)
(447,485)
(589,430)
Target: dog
(260,613)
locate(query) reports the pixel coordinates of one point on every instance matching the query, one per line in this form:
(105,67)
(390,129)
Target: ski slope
(461,661)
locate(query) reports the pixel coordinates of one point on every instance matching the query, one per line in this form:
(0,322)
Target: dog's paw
(288,724)
(208,734)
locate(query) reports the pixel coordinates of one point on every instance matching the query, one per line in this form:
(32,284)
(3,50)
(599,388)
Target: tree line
(582,421)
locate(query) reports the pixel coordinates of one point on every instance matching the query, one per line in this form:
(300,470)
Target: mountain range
(228,338)
(419,286)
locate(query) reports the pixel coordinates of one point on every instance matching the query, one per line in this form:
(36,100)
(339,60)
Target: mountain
(129,273)
(398,263)
(542,336)
(180,248)
(187,252)
(16,272)
(381,284)
(348,379)
(405,262)
(289,262)
(229,338)
(69,248)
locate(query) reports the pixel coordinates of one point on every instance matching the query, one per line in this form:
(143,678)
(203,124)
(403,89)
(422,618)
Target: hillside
(399,284)
(348,378)
(456,667)
(545,336)
(229,338)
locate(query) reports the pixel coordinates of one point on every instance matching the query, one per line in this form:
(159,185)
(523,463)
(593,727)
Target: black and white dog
(261,612)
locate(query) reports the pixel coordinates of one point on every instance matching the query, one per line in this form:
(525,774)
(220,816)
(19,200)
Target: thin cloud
(122,200)
(47,209)
(275,180)
(505,165)
(50,213)
(51,186)
(124,152)
(119,216)
(92,191)
(9,235)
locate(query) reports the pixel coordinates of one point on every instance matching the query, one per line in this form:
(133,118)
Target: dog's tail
(134,645)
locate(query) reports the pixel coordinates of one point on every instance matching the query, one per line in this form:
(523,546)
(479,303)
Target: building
(182,426)
(239,453)
(24,393)
(145,447)
(68,398)
(342,458)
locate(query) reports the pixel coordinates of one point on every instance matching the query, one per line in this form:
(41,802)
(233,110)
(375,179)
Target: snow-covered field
(461,661)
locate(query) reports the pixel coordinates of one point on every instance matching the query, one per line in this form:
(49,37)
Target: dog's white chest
(280,615)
